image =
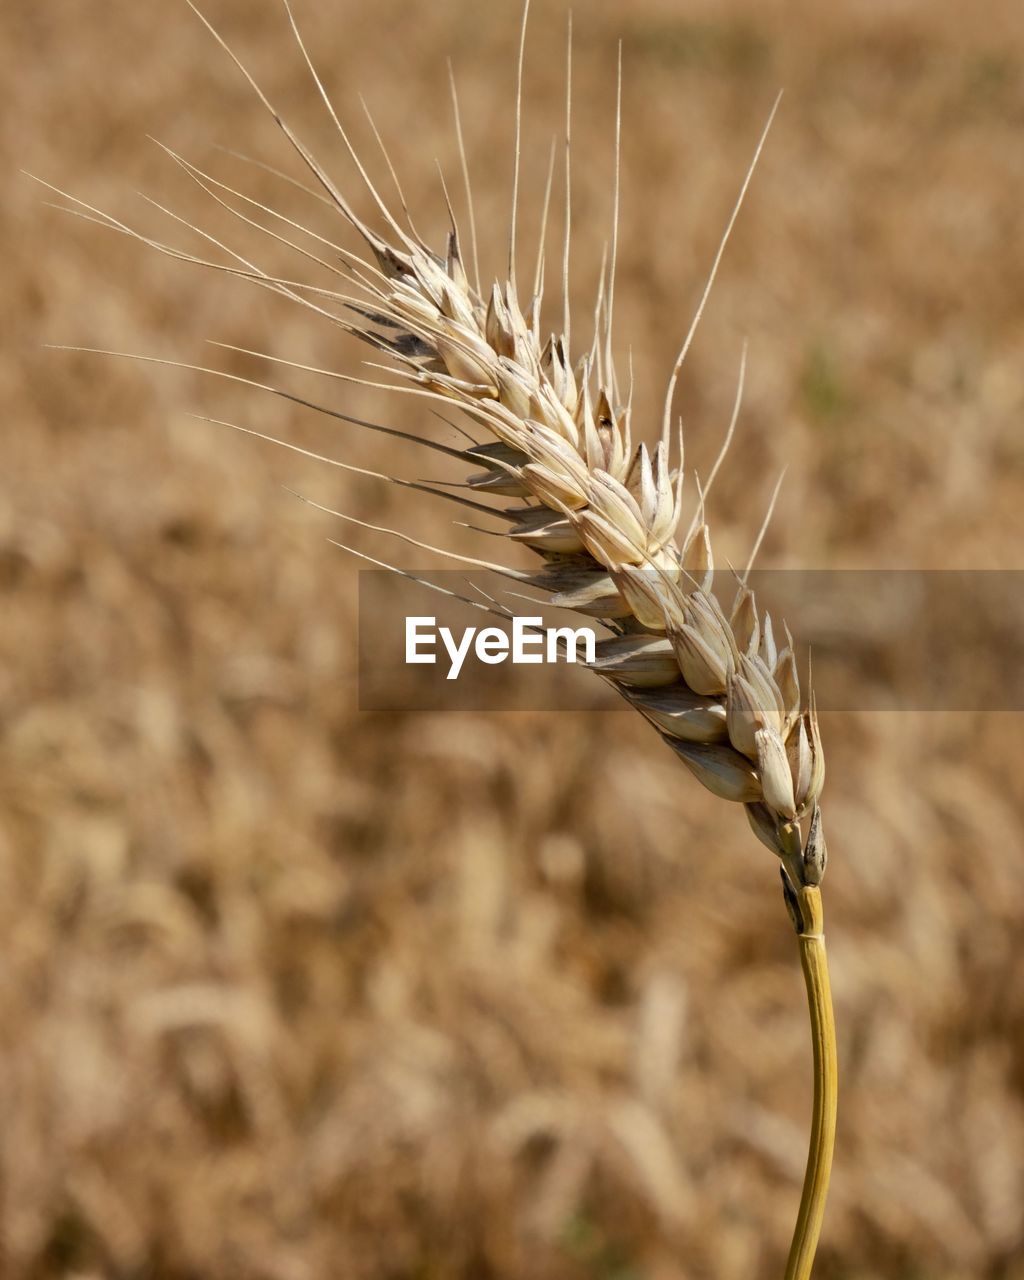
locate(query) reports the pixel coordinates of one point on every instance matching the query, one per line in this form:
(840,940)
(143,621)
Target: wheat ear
(604,516)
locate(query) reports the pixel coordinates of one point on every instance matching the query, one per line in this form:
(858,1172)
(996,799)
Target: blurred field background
(290,991)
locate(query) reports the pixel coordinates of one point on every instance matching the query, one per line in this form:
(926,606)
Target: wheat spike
(602,513)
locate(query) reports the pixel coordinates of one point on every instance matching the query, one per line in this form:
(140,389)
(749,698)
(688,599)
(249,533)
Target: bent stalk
(814,961)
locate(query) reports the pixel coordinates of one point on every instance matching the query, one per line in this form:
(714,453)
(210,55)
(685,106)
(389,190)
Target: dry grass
(292,991)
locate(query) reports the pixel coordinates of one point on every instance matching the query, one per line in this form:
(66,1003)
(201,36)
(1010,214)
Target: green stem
(823,1123)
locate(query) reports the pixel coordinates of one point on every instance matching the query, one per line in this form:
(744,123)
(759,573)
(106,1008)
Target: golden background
(290,991)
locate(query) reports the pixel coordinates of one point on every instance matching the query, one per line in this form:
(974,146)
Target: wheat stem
(814,962)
